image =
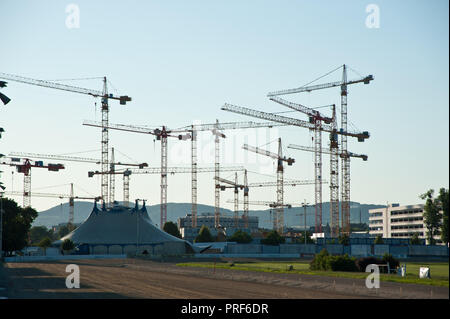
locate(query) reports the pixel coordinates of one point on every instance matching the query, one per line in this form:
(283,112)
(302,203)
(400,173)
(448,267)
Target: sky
(180,61)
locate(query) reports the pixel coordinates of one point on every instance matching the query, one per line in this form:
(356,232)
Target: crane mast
(105,142)
(112,179)
(163,137)
(126,187)
(334,178)
(217,135)
(194,177)
(245,215)
(345,160)
(280,194)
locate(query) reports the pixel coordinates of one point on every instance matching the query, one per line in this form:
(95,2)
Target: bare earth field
(134,278)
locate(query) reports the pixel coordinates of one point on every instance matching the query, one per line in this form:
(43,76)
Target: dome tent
(122,230)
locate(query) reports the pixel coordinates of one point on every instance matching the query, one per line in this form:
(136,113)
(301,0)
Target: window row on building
(407,227)
(408,234)
(407,219)
(406,212)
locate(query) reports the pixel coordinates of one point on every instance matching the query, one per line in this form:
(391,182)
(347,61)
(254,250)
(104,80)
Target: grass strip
(303,268)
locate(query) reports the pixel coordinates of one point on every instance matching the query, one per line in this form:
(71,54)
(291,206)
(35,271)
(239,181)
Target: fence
(355,250)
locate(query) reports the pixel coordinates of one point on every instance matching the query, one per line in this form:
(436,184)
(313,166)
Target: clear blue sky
(181,60)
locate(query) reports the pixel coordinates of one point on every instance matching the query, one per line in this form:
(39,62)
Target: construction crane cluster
(317,123)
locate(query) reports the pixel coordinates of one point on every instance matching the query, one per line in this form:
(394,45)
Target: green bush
(324,261)
(45,243)
(241,237)
(67,244)
(341,263)
(319,261)
(204,235)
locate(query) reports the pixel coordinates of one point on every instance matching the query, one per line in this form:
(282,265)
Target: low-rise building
(395,221)
(226,222)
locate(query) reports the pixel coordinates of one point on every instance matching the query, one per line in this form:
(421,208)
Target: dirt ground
(134,278)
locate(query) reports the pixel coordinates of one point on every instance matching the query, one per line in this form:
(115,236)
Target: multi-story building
(395,221)
(207,219)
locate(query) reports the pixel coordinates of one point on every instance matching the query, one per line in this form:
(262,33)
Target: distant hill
(60,214)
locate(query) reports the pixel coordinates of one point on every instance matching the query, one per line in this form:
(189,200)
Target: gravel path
(132,278)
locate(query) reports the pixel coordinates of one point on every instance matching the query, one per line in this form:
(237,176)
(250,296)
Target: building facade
(207,219)
(395,221)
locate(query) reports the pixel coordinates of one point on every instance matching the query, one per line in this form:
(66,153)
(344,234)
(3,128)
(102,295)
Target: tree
(378,240)
(415,240)
(431,215)
(443,199)
(37,233)
(273,238)
(16,225)
(172,229)
(204,235)
(241,237)
(45,243)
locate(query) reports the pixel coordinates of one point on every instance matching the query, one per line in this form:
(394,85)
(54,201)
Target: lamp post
(305,204)
(304,215)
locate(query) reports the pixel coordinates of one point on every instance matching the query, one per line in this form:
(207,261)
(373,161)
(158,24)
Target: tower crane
(236,186)
(345,167)
(361,136)
(316,118)
(70,196)
(217,135)
(105,97)
(193,130)
(279,218)
(85,160)
(24,166)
